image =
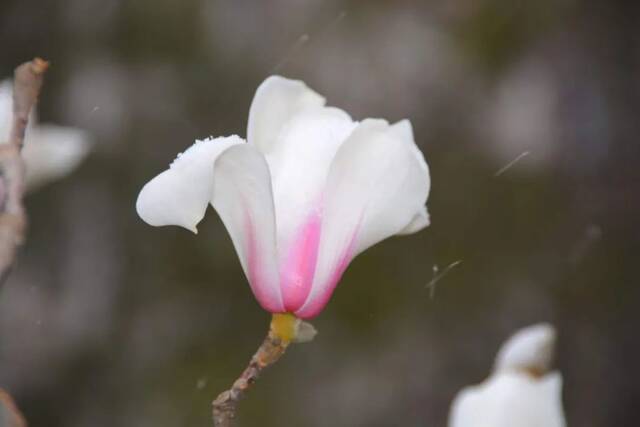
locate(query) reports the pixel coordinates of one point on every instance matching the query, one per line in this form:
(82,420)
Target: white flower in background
(50,152)
(522,116)
(520,392)
(307,192)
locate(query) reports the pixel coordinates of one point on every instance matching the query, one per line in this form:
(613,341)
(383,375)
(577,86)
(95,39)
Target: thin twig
(225,405)
(304,39)
(26,88)
(511,164)
(437,276)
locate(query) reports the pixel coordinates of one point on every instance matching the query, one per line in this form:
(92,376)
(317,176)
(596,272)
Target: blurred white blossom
(521,115)
(520,392)
(50,151)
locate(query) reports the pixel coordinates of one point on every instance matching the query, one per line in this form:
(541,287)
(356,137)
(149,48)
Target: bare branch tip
(28,79)
(39,65)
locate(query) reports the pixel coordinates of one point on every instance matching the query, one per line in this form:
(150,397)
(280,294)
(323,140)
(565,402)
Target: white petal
(510,399)
(180,195)
(6,109)
(530,349)
(403,130)
(376,182)
(419,221)
(242,197)
(299,162)
(377,185)
(275,102)
(51,152)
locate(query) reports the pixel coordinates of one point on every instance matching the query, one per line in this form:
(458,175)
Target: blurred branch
(26,88)
(10,416)
(225,405)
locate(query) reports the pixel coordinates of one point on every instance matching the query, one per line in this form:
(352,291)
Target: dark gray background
(110,322)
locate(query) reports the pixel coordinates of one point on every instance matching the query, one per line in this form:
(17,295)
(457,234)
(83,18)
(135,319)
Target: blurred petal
(530,349)
(10,415)
(6,109)
(51,152)
(518,393)
(243,198)
(275,102)
(377,185)
(510,399)
(180,195)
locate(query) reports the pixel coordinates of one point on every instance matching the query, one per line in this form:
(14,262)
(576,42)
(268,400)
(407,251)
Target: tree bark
(27,82)
(225,405)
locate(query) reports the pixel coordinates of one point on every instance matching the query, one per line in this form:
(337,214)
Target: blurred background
(109,322)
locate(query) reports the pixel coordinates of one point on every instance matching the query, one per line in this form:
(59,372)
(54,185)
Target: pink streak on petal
(258,280)
(296,274)
(314,307)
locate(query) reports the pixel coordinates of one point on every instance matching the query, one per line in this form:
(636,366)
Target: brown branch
(27,82)
(285,328)
(10,415)
(224,407)
(26,87)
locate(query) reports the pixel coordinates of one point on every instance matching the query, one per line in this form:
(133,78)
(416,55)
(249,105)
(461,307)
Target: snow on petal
(276,100)
(376,187)
(243,198)
(180,195)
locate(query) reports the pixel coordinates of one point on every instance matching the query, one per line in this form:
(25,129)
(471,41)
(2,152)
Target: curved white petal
(420,220)
(180,195)
(403,130)
(530,349)
(510,399)
(52,152)
(242,197)
(376,186)
(276,101)
(299,162)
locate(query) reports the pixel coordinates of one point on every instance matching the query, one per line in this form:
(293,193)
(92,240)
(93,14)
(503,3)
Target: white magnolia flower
(50,152)
(520,392)
(309,191)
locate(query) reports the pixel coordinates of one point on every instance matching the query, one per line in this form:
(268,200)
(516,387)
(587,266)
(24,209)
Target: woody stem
(272,348)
